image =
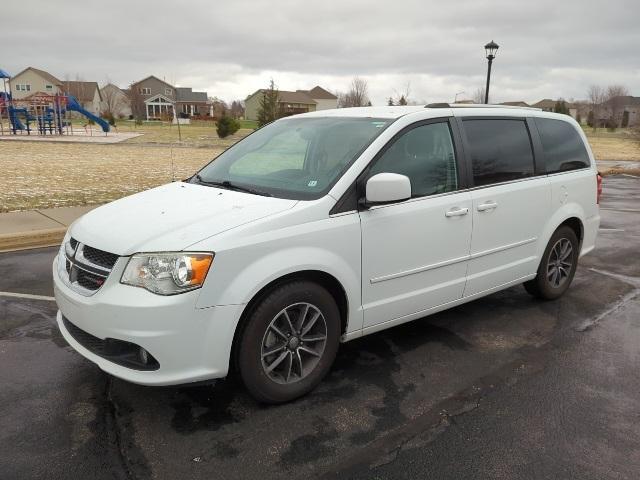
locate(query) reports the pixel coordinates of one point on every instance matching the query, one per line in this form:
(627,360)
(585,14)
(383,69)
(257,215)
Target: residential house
(548,105)
(324,99)
(161,100)
(190,103)
(86,93)
(156,98)
(115,101)
(32,80)
(292,103)
(625,110)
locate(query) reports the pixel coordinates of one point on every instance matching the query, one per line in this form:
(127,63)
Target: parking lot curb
(34,239)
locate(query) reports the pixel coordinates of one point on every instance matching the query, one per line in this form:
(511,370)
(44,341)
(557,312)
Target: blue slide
(16,124)
(74,105)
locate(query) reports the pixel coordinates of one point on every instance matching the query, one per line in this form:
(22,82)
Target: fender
(566,211)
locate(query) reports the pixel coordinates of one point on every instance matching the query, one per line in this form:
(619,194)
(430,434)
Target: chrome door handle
(456,212)
(487,206)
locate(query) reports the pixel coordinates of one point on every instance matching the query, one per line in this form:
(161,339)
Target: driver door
(415,252)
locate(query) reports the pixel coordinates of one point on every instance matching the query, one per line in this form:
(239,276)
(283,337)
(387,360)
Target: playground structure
(42,113)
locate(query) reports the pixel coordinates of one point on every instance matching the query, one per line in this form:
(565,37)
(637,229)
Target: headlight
(167,273)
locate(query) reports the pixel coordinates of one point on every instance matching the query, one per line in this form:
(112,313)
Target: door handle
(487,206)
(456,212)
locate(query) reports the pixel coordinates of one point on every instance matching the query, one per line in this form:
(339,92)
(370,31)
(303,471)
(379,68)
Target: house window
(23,87)
(168,91)
(145,91)
(48,87)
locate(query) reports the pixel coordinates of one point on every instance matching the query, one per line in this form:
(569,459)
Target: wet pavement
(503,387)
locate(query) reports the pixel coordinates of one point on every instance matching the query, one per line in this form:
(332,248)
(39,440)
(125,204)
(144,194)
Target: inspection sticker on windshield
(378,124)
(312,183)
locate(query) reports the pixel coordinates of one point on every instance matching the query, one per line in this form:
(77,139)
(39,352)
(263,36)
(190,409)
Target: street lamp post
(490,48)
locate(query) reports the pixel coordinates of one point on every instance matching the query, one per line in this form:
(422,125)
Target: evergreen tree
(402,100)
(561,107)
(268,110)
(390,103)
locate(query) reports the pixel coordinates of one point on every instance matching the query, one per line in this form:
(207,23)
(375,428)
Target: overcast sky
(231,48)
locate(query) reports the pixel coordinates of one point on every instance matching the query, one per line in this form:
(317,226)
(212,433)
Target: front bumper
(190,344)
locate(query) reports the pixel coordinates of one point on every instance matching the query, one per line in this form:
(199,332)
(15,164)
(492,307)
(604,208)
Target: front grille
(100,257)
(84,268)
(117,351)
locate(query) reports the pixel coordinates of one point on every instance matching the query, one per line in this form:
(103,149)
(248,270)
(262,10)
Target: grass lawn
(44,175)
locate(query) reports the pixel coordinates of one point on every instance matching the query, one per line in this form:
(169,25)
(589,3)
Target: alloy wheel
(293,343)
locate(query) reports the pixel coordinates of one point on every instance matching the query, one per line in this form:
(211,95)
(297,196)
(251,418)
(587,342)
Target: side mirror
(387,188)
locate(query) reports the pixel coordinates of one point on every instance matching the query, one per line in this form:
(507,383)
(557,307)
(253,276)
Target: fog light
(144,355)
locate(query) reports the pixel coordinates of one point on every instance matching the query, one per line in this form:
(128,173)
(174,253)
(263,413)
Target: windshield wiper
(232,186)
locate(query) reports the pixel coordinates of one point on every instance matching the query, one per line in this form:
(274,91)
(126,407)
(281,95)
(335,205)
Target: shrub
(611,124)
(227,126)
(109,117)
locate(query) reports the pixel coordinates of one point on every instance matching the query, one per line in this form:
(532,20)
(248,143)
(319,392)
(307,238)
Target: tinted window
(500,150)
(562,145)
(424,154)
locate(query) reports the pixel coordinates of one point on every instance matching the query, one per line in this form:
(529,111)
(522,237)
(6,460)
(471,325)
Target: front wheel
(557,267)
(289,342)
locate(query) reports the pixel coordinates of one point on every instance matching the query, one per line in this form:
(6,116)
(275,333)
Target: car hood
(171,217)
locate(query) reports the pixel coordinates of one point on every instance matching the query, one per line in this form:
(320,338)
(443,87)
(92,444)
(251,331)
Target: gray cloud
(547,48)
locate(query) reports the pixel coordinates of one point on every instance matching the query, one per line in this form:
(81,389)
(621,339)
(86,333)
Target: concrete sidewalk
(37,228)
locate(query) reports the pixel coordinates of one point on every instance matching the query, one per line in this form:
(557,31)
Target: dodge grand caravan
(321,228)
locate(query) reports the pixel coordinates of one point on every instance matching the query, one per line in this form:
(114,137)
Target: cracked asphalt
(503,387)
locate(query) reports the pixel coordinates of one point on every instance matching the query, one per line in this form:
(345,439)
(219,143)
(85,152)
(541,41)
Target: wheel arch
(571,215)
(322,278)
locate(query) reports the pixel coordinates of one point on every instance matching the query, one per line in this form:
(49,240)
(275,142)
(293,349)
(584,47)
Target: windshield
(296,158)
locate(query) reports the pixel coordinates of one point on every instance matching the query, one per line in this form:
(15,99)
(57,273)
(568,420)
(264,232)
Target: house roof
(46,75)
(83,91)
(518,103)
(153,76)
(320,93)
(285,96)
(184,94)
(548,103)
(625,100)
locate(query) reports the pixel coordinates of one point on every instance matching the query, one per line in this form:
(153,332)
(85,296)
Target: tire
(555,274)
(274,355)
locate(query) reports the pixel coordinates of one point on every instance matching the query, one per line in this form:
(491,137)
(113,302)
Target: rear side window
(562,145)
(500,150)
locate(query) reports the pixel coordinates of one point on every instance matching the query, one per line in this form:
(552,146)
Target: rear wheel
(557,267)
(289,342)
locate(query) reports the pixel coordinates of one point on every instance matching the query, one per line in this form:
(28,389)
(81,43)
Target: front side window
(562,145)
(425,154)
(167,91)
(145,91)
(297,158)
(500,150)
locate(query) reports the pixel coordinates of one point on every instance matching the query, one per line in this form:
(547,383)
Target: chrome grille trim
(76,271)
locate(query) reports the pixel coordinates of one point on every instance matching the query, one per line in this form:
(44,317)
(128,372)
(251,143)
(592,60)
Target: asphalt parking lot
(503,387)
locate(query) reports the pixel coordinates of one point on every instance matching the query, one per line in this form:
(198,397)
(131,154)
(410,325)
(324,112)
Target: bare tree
(237,109)
(615,100)
(402,96)
(138,107)
(596,95)
(356,96)
(220,107)
(113,100)
(478,96)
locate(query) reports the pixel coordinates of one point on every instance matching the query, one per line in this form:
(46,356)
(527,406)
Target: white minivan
(321,228)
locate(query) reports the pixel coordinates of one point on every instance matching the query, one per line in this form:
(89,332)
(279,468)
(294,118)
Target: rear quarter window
(562,145)
(500,150)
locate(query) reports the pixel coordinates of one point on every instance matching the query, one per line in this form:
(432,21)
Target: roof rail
(476,105)
(437,105)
